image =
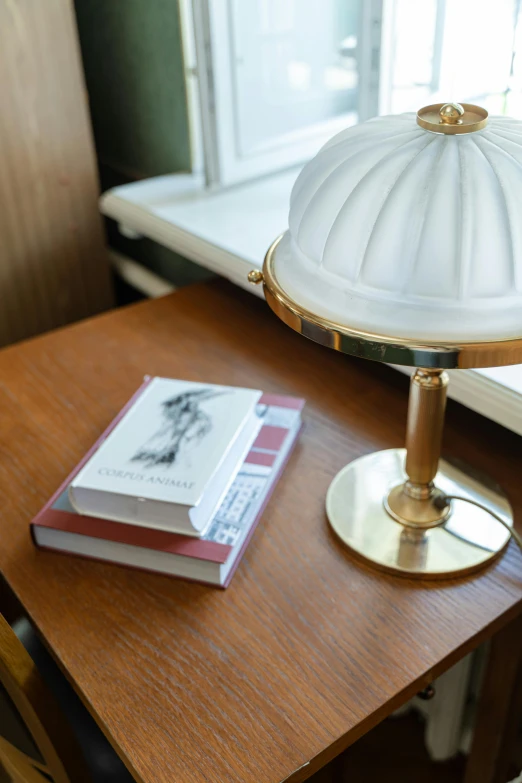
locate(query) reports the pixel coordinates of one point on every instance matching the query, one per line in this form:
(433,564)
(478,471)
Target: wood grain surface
(307,649)
(53,263)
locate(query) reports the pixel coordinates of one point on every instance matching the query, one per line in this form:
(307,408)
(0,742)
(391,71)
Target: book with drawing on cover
(211,558)
(170,459)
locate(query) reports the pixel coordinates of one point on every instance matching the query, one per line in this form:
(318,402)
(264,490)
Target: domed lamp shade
(405,246)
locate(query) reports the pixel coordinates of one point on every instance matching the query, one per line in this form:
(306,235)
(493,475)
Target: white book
(170,460)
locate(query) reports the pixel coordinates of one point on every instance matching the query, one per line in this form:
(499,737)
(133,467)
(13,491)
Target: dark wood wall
(54,267)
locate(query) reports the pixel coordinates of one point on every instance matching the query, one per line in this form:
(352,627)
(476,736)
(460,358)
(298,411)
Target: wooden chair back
(36,744)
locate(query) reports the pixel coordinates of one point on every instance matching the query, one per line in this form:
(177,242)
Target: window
(277,78)
(441,50)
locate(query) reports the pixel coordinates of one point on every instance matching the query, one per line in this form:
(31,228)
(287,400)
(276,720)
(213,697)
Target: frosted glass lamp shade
(403,232)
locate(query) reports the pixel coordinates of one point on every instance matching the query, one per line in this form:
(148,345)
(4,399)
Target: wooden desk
(307,649)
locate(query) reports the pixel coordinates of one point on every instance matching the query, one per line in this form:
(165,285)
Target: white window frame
(388,44)
(217,108)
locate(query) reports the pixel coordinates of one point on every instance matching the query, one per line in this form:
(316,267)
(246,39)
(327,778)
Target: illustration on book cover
(185,424)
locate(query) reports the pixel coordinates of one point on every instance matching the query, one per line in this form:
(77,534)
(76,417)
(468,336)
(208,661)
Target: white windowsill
(226,231)
(229,231)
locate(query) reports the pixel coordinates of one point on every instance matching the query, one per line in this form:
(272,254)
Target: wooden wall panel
(53,262)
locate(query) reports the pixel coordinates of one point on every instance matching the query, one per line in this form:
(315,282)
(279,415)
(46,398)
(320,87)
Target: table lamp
(405,246)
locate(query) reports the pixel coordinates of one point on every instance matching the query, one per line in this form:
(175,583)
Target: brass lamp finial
(451,118)
(451,113)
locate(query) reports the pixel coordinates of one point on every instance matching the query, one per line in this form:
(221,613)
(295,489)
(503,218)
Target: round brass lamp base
(464,542)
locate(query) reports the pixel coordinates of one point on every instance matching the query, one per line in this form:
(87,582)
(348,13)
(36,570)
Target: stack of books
(178,481)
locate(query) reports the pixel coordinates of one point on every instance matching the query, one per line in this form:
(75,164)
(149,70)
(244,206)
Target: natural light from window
(464,50)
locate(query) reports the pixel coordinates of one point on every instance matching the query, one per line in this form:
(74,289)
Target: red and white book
(211,558)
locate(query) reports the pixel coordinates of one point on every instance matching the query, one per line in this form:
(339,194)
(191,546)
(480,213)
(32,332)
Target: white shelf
(229,231)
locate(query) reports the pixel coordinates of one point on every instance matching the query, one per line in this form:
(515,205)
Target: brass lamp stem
(412,503)
(424,430)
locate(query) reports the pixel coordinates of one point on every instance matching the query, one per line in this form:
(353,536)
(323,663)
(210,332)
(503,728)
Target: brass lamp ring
(382,348)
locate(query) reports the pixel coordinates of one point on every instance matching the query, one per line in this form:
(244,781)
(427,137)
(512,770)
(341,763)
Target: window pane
(455,51)
(413,54)
(295,66)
